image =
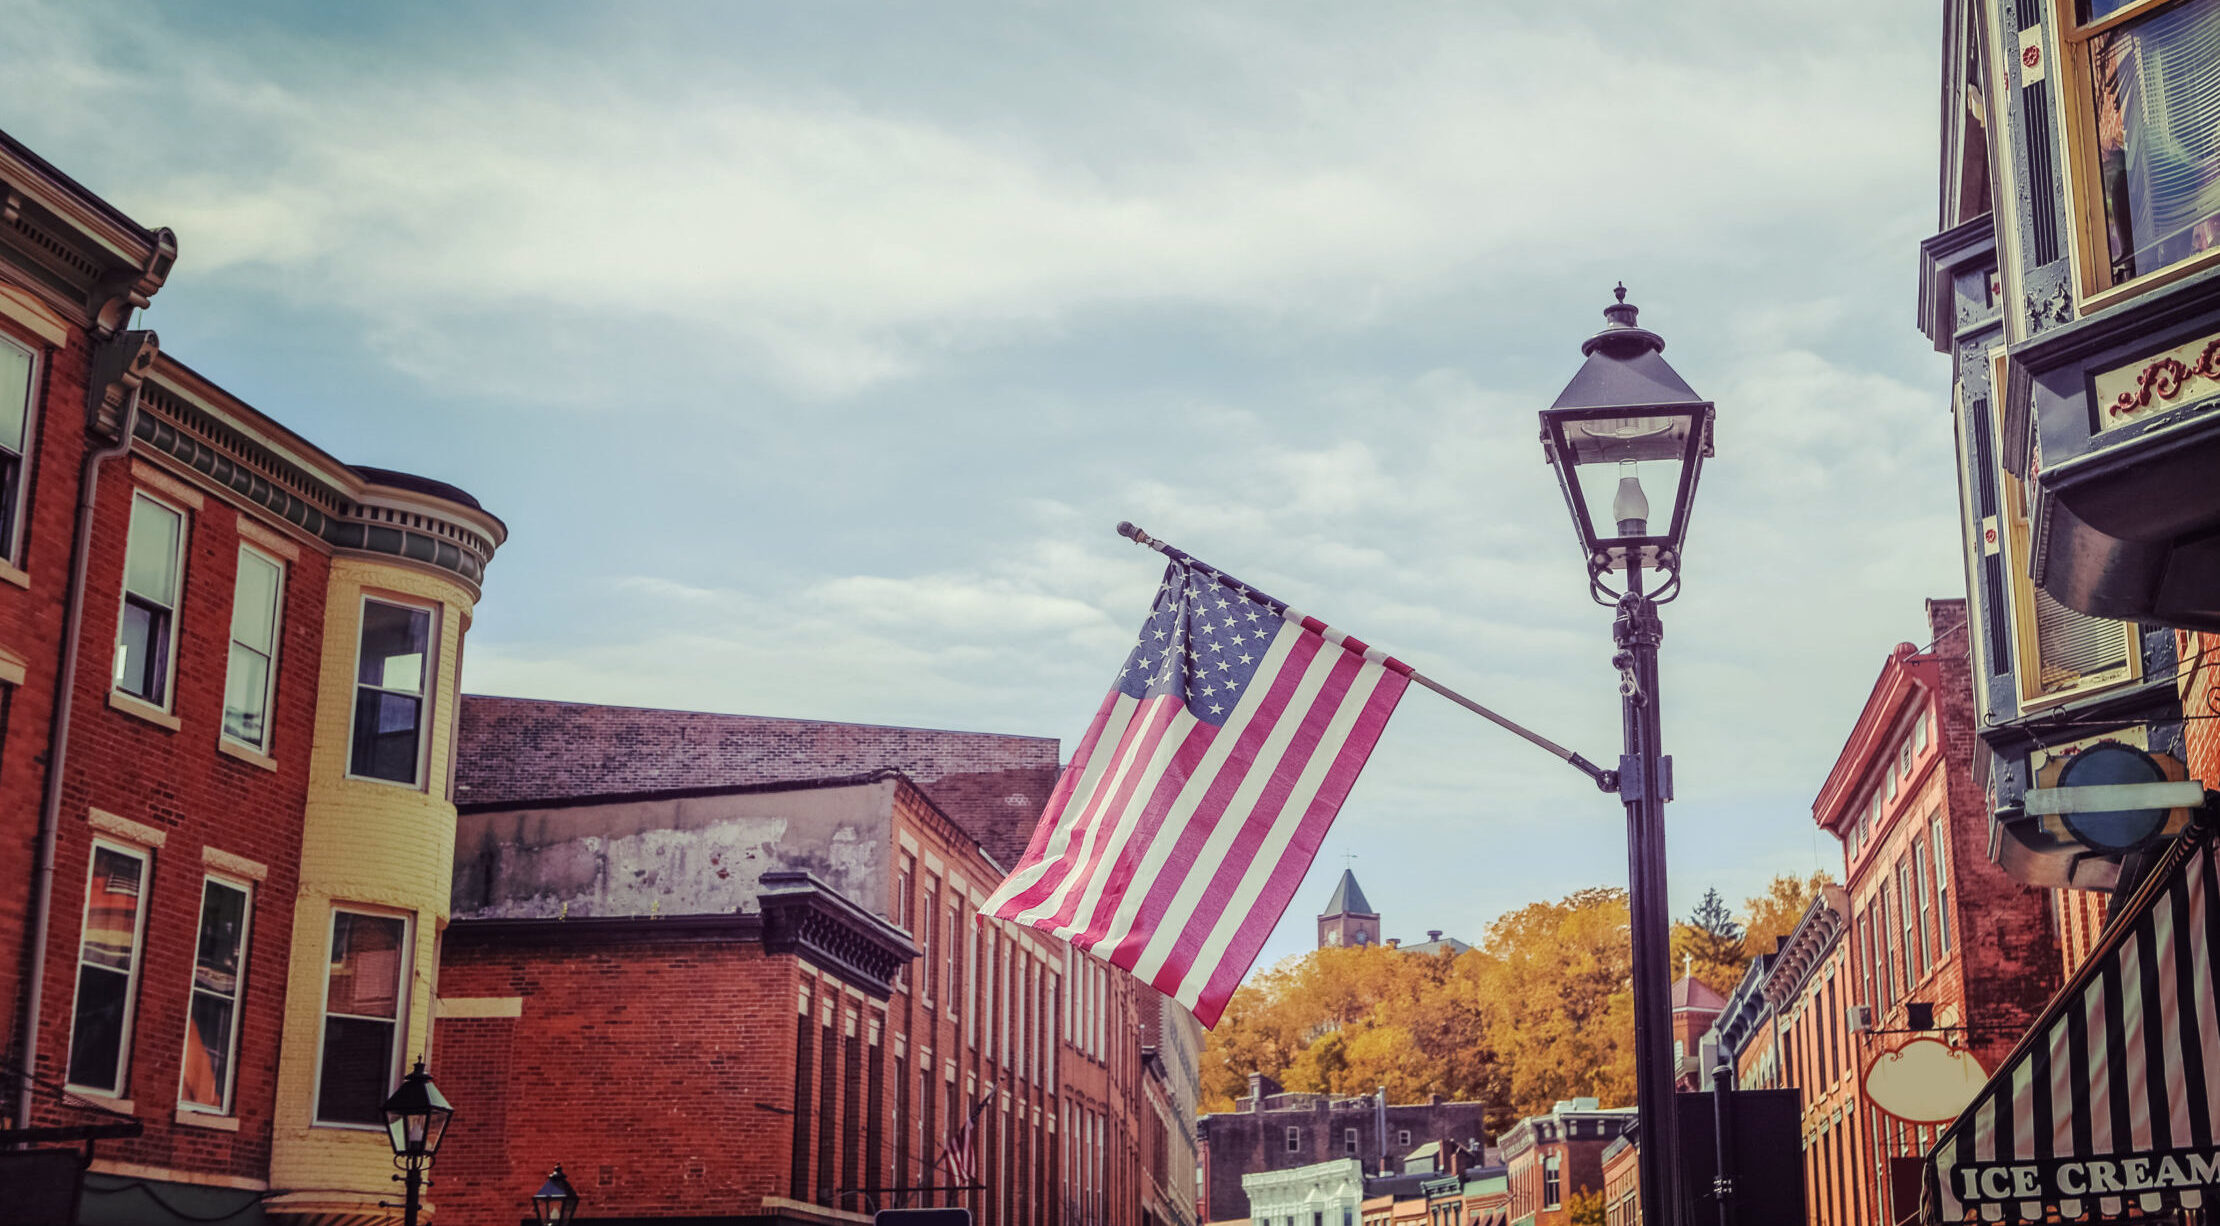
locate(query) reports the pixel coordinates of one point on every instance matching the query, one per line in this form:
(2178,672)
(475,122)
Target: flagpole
(1606,780)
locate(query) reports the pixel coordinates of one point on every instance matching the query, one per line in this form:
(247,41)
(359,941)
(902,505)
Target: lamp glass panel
(1638,436)
(1658,481)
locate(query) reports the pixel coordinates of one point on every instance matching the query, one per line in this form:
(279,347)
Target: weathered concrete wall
(693,856)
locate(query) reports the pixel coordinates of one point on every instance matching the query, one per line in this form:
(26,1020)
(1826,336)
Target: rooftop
(1348,898)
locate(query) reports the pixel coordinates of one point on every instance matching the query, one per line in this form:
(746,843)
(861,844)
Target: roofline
(70,186)
(694,793)
(776,719)
(1905,676)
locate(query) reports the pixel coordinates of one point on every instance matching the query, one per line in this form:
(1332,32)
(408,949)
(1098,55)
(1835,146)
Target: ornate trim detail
(2165,379)
(806,917)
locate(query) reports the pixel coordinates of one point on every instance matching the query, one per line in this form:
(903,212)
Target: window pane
(254,602)
(385,735)
(246,694)
(142,650)
(2156,82)
(365,964)
(112,909)
(96,1041)
(208,1051)
(150,564)
(358,1061)
(394,642)
(15,396)
(223,925)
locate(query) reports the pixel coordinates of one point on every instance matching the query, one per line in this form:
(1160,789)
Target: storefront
(2107,1109)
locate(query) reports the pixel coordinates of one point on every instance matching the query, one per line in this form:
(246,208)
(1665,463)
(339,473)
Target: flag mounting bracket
(1605,780)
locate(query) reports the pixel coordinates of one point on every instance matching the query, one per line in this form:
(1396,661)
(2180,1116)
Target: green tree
(1708,944)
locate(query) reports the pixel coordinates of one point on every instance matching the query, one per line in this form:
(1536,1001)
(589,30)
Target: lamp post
(1627,412)
(416,1118)
(556,1201)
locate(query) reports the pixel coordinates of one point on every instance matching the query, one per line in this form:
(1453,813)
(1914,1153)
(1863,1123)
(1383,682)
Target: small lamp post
(416,1118)
(1625,416)
(556,1201)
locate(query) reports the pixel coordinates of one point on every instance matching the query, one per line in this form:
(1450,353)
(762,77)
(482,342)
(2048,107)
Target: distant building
(1695,1005)
(1622,1181)
(1348,919)
(1329,1193)
(1745,1030)
(1552,1156)
(1271,1130)
(1807,986)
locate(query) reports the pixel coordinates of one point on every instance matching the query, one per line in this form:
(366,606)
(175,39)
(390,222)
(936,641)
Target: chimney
(1433,934)
(1394,942)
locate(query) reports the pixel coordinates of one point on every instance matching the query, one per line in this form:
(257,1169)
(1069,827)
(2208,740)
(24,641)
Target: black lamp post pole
(1638,631)
(412,1191)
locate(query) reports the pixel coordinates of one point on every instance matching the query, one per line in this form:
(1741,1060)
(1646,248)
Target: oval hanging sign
(1926,1081)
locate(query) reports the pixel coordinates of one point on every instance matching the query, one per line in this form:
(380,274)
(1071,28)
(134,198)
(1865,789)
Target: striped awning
(2107,1107)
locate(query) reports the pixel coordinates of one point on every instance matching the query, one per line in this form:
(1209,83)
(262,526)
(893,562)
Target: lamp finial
(1620,291)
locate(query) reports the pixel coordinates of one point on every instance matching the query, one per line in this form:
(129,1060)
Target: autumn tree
(1554,984)
(1773,914)
(1585,1208)
(1708,944)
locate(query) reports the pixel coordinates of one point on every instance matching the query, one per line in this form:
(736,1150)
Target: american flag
(959,1156)
(1196,799)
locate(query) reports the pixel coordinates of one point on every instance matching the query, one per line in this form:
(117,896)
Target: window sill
(245,753)
(384,783)
(98,1100)
(141,709)
(192,1118)
(15,575)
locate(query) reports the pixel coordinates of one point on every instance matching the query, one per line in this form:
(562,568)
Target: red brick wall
(177,782)
(31,628)
(660,1074)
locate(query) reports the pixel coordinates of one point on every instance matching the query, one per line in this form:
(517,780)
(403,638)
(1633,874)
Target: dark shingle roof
(1347,899)
(515,751)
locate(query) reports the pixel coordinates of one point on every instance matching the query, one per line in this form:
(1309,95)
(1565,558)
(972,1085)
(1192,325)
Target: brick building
(1695,1007)
(1551,1157)
(1933,921)
(613,827)
(1622,1181)
(1271,1130)
(225,656)
(1806,988)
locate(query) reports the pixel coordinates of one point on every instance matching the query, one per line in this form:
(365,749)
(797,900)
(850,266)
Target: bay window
(364,1002)
(212,1031)
(108,968)
(147,632)
(392,677)
(254,633)
(2145,123)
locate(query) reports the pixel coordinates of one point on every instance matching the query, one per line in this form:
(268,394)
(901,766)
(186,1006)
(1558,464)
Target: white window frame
(226,1096)
(1294,1139)
(427,695)
(12,534)
(168,700)
(1348,1140)
(277,637)
(402,1004)
(145,856)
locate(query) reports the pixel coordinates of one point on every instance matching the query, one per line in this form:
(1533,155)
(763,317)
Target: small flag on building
(959,1156)
(1195,801)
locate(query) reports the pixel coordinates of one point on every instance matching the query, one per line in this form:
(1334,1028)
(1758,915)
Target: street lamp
(416,1118)
(1626,416)
(556,1201)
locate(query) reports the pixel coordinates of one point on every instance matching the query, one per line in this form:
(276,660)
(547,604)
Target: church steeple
(1348,919)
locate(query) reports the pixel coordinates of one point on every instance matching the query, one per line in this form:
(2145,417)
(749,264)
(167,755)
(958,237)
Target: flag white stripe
(1183,808)
(1196,875)
(1079,818)
(1234,915)
(1121,715)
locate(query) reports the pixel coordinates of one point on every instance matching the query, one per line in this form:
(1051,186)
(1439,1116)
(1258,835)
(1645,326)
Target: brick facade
(1551,1158)
(1271,1130)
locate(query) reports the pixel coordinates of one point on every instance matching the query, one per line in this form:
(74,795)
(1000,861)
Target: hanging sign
(1926,1081)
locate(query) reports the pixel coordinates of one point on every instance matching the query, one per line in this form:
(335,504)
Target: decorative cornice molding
(1808,944)
(806,917)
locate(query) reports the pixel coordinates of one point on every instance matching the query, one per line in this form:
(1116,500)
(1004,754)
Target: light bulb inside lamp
(1630,507)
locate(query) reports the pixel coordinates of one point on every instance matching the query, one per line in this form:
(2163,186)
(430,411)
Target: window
(927,923)
(107,968)
(18,369)
(212,1033)
(949,949)
(1904,760)
(390,675)
(1403,1139)
(254,624)
(1941,842)
(2143,81)
(1892,785)
(1919,733)
(1926,904)
(1552,1183)
(363,999)
(148,629)
(1294,1139)
(1915,933)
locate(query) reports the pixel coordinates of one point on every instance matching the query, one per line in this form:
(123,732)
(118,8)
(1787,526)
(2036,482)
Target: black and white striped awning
(2107,1108)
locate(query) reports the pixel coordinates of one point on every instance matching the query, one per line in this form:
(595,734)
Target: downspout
(119,365)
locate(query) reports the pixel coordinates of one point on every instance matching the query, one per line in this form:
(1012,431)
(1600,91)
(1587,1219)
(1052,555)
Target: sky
(811,353)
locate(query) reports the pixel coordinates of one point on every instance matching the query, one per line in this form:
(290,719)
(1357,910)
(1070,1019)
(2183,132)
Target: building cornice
(80,253)
(1906,678)
(1808,945)
(1940,258)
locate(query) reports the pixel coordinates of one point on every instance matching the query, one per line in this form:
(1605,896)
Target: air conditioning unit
(1860,1018)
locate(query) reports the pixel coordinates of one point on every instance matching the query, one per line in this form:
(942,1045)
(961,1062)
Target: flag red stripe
(1195,835)
(1118,878)
(1148,724)
(1226,875)
(1287,875)
(1073,773)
